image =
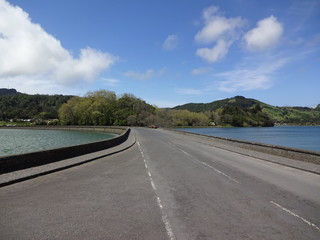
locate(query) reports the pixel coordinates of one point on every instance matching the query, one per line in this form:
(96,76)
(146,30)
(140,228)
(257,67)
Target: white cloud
(111,82)
(87,67)
(202,70)
(141,76)
(37,85)
(219,30)
(29,52)
(267,33)
(216,53)
(247,80)
(189,91)
(209,13)
(148,74)
(171,42)
(250,78)
(216,26)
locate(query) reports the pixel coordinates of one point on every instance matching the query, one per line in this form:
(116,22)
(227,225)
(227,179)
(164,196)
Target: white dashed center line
(209,166)
(163,215)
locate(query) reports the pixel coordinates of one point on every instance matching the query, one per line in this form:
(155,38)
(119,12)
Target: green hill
(129,110)
(294,115)
(15,105)
(237,101)
(5,91)
(241,111)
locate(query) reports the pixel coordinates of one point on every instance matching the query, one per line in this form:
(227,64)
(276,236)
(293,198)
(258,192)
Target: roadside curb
(34,172)
(268,157)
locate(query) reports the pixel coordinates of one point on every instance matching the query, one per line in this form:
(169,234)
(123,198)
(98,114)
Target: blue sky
(164,52)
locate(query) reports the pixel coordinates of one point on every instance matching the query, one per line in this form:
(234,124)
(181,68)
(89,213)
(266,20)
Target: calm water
(16,141)
(303,137)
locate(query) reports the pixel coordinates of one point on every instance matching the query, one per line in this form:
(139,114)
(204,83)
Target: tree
(163,118)
(187,118)
(103,108)
(66,112)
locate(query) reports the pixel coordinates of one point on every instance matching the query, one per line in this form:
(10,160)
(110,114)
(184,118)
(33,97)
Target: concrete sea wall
(240,146)
(107,129)
(27,160)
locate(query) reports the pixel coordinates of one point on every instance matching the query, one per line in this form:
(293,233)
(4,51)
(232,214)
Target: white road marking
(159,203)
(166,221)
(152,184)
(296,215)
(216,170)
(186,153)
(168,227)
(164,217)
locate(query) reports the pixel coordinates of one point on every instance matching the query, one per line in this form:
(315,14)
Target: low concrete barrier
(239,145)
(27,160)
(108,129)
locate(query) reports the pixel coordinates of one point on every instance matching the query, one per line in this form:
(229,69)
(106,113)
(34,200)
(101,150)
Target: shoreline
(283,136)
(286,156)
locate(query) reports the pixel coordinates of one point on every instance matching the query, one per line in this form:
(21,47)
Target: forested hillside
(5,91)
(294,115)
(241,111)
(106,108)
(95,108)
(15,105)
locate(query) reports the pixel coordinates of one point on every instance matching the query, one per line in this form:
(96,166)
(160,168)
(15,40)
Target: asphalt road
(167,186)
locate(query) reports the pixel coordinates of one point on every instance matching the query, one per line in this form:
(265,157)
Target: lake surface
(303,137)
(17,141)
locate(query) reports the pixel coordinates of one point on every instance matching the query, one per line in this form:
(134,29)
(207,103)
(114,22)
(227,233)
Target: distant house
(20,120)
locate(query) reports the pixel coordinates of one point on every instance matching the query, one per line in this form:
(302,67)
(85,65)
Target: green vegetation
(24,106)
(19,107)
(294,115)
(5,91)
(106,108)
(238,101)
(237,111)
(182,118)
(6,123)
(241,111)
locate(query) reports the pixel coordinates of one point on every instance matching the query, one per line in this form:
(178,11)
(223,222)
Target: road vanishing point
(166,186)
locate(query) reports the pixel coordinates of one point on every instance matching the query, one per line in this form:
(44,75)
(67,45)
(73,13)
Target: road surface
(167,186)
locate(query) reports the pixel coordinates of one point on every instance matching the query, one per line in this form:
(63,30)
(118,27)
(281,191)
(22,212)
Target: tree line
(105,108)
(24,106)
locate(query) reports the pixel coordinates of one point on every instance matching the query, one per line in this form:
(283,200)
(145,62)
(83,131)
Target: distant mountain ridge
(237,101)
(279,115)
(6,91)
